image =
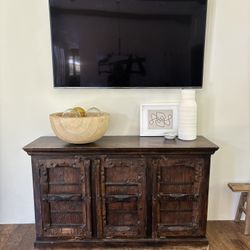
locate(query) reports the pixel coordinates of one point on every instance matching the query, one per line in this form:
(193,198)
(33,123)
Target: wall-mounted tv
(128,43)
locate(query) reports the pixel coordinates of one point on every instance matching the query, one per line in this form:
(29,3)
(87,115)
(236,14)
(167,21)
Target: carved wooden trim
(155,203)
(139,165)
(85,180)
(61,230)
(195,163)
(97,208)
(103,192)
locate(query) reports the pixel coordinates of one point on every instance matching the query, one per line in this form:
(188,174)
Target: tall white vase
(187,129)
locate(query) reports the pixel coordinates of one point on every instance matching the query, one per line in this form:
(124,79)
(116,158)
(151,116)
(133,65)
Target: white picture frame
(158,119)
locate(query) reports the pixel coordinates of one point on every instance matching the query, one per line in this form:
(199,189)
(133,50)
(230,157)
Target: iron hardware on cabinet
(65,197)
(121,198)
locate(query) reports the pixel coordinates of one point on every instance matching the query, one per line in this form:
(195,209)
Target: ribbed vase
(187,129)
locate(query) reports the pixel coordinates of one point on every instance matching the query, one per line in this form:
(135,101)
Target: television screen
(128,43)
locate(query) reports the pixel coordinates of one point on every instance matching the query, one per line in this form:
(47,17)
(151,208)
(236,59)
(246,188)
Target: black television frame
(134,87)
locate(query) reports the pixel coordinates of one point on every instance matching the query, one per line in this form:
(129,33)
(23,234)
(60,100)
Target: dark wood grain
(121,144)
(128,190)
(123,182)
(179,196)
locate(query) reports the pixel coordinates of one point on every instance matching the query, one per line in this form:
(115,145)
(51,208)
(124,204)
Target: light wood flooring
(222,235)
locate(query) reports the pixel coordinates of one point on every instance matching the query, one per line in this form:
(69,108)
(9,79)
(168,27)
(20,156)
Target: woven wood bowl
(80,130)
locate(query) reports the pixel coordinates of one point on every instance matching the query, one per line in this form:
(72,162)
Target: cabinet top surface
(120,143)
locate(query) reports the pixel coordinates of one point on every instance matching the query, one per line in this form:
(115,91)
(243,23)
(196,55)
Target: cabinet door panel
(63,175)
(66,206)
(65,193)
(65,189)
(119,190)
(126,215)
(123,182)
(180,205)
(128,170)
(66,218)
(177,196)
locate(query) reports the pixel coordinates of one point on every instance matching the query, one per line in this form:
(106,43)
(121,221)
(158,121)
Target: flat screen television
(128,43)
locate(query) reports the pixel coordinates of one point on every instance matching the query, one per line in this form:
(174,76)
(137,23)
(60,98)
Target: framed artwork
(158,119)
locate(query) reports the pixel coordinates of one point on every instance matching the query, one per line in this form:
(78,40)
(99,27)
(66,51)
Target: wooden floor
(222,235)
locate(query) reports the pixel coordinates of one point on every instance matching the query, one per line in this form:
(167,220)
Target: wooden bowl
(80,130)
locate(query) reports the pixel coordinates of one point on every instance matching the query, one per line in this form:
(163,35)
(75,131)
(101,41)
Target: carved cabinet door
(122,197)
(177,196)
(65,198)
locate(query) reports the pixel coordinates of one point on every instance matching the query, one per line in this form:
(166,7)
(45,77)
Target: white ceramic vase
(187,129)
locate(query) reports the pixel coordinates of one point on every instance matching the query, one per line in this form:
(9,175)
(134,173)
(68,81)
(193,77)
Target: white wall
(27,97)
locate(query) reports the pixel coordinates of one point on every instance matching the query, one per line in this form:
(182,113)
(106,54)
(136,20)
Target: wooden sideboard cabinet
(121,191)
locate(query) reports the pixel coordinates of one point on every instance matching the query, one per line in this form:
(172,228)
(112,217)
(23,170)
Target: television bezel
(135,87)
